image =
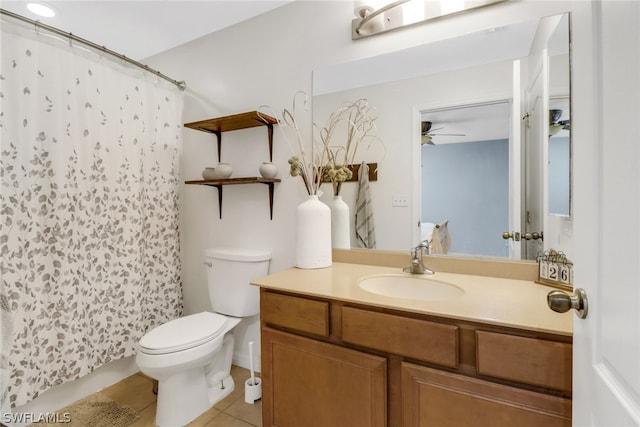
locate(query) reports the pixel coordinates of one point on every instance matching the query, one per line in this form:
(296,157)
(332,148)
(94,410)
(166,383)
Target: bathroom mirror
(487,68)
(559,147)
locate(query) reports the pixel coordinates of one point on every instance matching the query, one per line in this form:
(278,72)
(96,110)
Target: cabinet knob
(561,302)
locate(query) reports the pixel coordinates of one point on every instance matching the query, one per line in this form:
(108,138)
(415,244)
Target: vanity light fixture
(41,9)
(372,19)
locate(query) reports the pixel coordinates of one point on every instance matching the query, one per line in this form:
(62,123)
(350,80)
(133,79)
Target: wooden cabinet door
(315,384)
(433,398)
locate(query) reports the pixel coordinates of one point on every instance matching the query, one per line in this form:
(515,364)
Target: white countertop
(513,303)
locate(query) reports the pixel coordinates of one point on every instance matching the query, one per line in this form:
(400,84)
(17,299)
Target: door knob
(515,236)
(561,302)
(533,236)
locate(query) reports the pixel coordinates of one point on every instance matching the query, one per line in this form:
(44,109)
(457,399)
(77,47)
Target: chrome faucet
(417,266)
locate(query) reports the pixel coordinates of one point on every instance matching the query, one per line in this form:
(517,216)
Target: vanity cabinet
(334,363)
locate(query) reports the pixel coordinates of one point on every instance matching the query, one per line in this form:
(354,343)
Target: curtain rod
(181,84)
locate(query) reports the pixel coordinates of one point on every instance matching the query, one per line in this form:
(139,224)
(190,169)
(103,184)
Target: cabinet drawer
(414,338)
(300,314)
(527,360)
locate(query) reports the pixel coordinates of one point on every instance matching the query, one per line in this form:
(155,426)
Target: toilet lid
(183,333)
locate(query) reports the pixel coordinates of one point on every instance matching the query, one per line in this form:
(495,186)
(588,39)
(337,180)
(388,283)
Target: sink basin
(410,287)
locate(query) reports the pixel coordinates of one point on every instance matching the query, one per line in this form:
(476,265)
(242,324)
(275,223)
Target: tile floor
(136,392)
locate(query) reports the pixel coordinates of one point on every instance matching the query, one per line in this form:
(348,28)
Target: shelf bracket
(270,185)
(218,135)
(270,135)
(269,182)
(219,187)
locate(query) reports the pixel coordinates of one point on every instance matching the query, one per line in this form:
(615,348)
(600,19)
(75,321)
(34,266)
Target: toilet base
(182,398)
(185,394)
(216,394)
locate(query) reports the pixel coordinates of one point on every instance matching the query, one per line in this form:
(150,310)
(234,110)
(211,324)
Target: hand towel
(441,239)
(365,230)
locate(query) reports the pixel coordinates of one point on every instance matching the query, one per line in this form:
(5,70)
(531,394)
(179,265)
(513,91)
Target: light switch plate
(399,200)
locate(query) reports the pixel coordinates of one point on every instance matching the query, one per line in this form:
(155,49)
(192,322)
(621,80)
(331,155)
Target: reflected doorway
(465,175)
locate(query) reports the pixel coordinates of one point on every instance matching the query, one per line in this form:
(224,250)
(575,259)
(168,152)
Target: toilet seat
(183,333)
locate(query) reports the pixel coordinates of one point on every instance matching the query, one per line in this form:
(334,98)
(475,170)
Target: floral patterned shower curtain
(89,211)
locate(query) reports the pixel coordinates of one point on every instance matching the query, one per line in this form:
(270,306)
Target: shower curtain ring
(36,25)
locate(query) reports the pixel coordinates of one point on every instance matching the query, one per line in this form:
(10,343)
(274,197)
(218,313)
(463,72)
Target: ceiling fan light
(427,140)
(554,129)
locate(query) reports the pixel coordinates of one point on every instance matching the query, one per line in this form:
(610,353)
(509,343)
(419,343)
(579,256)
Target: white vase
(268,170)
(209,173)
(224,170)
(313,234)
(340,225)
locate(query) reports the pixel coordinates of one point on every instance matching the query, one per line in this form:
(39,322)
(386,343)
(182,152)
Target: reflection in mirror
(559,157)
(559,192)
(432,78)
(465,176)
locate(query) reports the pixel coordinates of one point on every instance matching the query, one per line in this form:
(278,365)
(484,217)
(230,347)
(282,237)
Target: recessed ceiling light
(41,10)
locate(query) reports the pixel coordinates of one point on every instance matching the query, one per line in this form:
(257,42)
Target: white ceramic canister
(209,173)
(268,170)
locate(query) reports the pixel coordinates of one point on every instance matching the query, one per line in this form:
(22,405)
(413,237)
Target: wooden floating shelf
(236,122)
(233,122)
(219,183)
(231,181)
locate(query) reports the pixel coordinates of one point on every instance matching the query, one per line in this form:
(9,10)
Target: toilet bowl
(191,356)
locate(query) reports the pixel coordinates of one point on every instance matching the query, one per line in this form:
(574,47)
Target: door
(607,225)
(537,104)
(515,162)
(536,125)
(436,398)
(303,378)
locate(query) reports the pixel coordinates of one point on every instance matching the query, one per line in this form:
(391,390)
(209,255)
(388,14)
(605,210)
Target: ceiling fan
(427,136)
(555,124)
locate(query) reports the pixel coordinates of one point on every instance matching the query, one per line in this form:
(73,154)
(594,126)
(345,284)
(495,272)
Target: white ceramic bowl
(224,170)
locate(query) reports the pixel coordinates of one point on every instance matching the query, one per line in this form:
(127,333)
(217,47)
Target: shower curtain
(89,239)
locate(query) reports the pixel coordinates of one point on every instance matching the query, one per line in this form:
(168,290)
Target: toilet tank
(229,273)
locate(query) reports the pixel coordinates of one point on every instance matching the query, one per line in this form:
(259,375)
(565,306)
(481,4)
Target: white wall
(265,61)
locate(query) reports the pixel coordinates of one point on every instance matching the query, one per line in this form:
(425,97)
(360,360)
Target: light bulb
(41,10)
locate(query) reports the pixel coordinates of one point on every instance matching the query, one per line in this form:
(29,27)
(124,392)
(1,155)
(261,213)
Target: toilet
(191,356)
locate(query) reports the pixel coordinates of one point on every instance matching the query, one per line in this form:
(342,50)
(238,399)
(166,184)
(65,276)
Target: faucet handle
(423,247)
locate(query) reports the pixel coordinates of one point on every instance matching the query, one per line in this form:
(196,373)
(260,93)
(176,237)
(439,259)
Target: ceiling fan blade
(449,134)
